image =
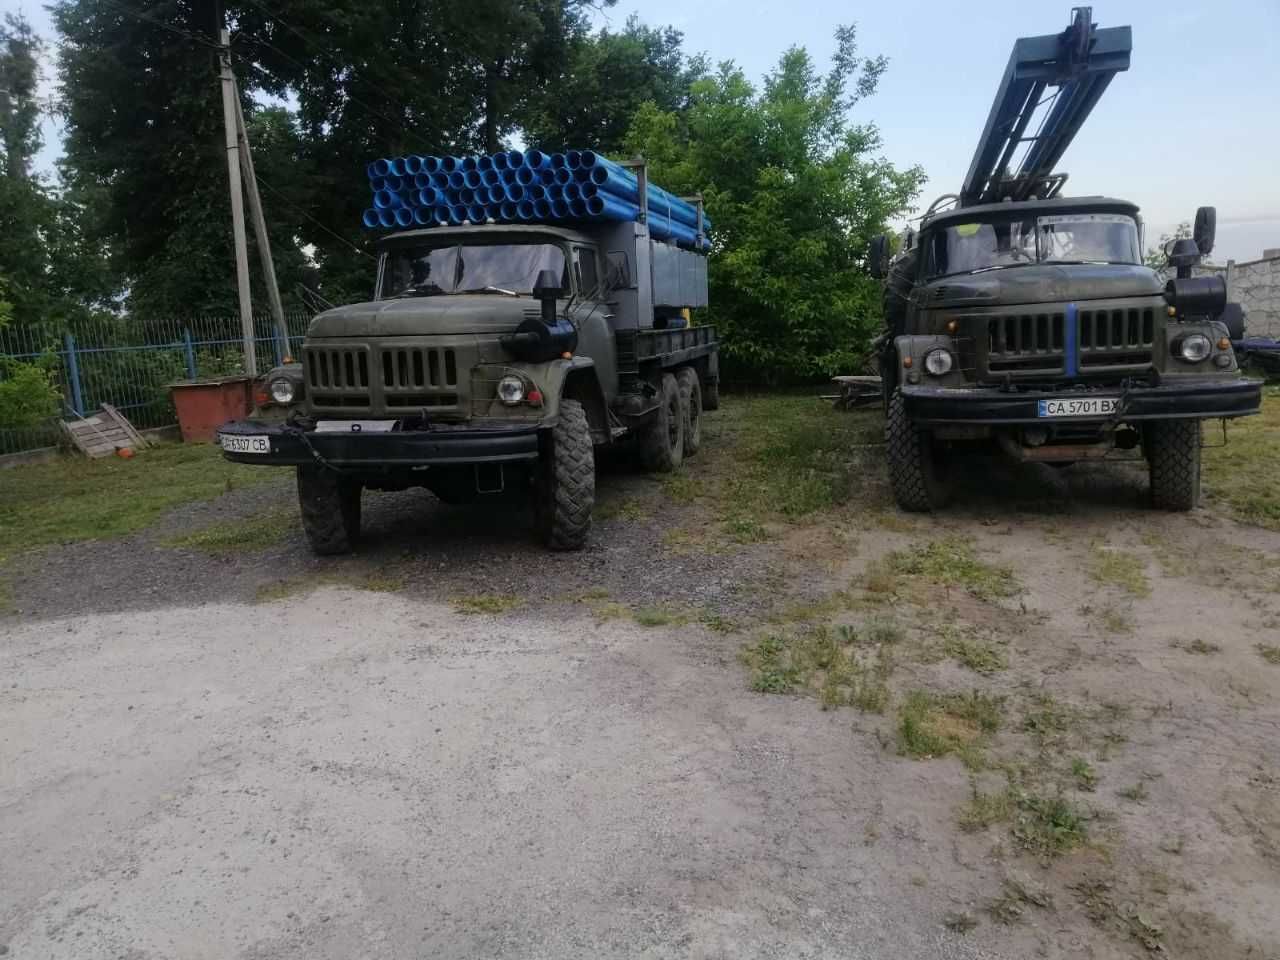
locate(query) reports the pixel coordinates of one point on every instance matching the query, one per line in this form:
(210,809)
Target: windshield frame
(1038,219)
(422,245)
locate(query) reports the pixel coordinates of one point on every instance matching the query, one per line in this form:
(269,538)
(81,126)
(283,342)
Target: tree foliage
(796,191)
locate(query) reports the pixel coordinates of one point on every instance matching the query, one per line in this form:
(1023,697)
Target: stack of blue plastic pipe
(514,187)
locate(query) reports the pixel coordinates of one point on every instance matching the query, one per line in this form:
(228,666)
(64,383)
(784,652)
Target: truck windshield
(1068,238)
(505,268)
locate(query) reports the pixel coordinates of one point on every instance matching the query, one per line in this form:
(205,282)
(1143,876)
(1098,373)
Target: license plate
(1079,407)
(236,444)
(355,426)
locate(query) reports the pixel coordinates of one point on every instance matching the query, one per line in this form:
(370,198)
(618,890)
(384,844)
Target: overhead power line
(289,203)
(139,15)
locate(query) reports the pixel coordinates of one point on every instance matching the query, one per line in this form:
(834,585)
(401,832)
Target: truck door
(595,338)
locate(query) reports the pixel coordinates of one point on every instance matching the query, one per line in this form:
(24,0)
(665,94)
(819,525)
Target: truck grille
(337,376)
(1026,342)
(419,377)
(1116,337)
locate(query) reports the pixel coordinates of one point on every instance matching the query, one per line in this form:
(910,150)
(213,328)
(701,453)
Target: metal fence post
(73,375)
(190,350)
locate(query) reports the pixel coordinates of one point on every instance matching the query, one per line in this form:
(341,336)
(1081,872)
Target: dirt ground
(1043,724)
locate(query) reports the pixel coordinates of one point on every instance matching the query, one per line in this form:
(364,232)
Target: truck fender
(576,379)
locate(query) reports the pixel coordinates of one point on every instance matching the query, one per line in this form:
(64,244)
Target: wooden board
(102,434)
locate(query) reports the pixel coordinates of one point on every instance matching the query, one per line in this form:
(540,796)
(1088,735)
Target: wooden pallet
(102,434)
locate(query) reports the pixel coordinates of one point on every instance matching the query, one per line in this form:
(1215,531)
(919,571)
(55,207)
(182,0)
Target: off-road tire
(711,395)
(1173,456)
(914,470)
(691,406)
(330,506)
(566,486)
(662,439)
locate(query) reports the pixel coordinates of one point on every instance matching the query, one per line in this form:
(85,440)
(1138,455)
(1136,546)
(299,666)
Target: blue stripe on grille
(1071,341)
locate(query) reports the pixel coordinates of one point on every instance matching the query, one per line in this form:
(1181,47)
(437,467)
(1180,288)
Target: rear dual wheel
(662,440)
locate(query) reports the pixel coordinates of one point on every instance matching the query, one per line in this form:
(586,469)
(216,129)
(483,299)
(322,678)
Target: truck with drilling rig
(498,352)
(1021,317)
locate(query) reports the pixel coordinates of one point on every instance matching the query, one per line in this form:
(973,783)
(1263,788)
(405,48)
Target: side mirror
(1206,229)
(546,289)
(878,257)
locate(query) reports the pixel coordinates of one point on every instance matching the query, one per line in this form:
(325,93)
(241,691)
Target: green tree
(796,191)
(604,81)
(1155,257)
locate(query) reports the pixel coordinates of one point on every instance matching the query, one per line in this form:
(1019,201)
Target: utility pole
(260,227)
(230,109)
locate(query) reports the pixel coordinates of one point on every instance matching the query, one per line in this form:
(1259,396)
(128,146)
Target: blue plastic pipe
(558,162)
(515,159)
(572,192)
(491,176)
(497,193)
(372,169)
(524,210)
(466,196)
(428,197)
(457,180)
(547,176)
(421,181)
(457,214)
(386,218)
(535,191)
(508,210)
(404,217)
(542,209)
(476,213)
(525,176)
(386,200)
(577,208)
(430,164)
(381,167)
(425,217)
(467,163)
(412,165)
(370,218)
(448,164)
(536,160)
(473,178)
(499,160)
(573,159)
(484,162)
(611,208)
(515,192)
(559,209)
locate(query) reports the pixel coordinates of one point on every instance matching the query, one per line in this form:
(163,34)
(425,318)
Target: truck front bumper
(1203,399)
(291,445)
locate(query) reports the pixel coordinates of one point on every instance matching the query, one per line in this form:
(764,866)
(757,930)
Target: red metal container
(205,405)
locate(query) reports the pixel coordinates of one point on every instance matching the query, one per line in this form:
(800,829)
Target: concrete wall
(1256,285)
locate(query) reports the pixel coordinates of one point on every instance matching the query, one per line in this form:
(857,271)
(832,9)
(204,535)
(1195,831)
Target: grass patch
(719,623)
(1109,617)
(950,562)
(620,508)
(279,590)
(1135,794)
(73,499)
(661,615)
(602,605)
(745,530)
(1048,826)
(1269,653)
(842,667)
(1241,476)
(682,487)
(959,921)
(985,809)
(1201,647)
(240,535)
(7,604)
(485,603)
(1116,568)
(979,655)
(932,725)
(1047,720)
(1084,775)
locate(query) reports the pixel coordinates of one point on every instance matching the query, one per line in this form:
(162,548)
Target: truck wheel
(566,488)
(691,406)
(330,506)
(1173,455)
(662,440)
(711,395)
(914,470)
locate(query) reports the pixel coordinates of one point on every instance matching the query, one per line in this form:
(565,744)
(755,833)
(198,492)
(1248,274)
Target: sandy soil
(352,773)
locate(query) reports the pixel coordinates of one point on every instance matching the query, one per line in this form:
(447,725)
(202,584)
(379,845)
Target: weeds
(296,586)
(660,616)
(1048,825)
(1135,794)
(1117,568)
(1201,647)
(240,535)
(842,666)
(985,809)
(1242,474)
(1269,652)
(745,530)
(491,604)
(959,922)
(620,508)
(931,725)
(979,655)
(950,562)
(1085,776)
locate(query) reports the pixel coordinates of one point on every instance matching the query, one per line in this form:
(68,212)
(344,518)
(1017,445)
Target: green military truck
(492,362)
(1019,317)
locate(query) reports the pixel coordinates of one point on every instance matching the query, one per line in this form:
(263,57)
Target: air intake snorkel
(548,336)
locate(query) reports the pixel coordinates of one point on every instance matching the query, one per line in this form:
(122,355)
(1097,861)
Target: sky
(1193,121)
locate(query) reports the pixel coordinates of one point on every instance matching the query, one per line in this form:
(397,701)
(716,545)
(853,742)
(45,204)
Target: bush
(29,394)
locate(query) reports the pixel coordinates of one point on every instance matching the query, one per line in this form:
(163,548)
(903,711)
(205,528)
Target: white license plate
(235,444)
(355,426)
(1079,407)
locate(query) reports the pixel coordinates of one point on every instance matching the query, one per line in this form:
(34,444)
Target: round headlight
(510,390)
(938,362)
(1195,348)
(283,390)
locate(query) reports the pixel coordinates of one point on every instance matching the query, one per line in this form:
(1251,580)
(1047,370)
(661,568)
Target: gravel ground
(188,773)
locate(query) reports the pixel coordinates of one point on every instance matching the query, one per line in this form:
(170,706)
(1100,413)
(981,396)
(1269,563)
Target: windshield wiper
(1003,266)
(492,289)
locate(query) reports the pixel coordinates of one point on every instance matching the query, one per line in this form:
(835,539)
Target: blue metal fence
(130,363)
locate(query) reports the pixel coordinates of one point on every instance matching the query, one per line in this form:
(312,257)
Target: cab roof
(1031,208)
(487,231)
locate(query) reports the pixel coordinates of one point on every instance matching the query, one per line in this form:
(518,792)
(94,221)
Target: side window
(584,260)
